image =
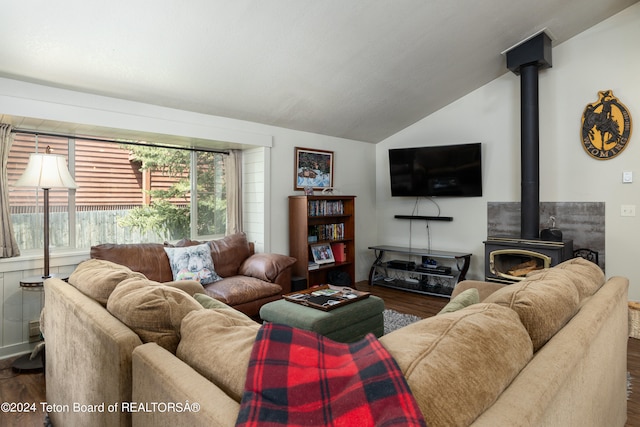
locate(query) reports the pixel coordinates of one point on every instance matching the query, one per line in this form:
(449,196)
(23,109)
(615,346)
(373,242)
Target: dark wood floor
(25,391)
(633,366)
(29,388)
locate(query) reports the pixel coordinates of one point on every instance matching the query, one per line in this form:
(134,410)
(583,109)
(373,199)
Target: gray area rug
(395,320)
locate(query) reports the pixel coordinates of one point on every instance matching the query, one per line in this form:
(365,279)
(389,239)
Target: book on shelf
(313,265)
(339,251)
(326,232)
(325,207)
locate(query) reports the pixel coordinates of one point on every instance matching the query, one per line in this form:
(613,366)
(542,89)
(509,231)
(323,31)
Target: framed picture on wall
(313,169)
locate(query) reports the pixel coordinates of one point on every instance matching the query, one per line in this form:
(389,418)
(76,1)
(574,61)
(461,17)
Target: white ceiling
(357,69)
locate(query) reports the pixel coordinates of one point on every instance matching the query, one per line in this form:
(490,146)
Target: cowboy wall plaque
(606,127)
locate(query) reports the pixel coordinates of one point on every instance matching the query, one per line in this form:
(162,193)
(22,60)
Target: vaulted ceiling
(357,69)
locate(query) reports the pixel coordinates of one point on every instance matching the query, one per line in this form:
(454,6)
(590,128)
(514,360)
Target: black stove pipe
(526,60)
(529,152)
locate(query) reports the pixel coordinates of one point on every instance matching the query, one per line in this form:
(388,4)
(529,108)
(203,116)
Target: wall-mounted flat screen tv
(436,171)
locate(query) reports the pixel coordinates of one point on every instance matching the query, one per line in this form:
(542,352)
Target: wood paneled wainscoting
(30,387)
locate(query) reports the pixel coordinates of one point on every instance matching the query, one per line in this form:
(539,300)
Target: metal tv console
(437,281)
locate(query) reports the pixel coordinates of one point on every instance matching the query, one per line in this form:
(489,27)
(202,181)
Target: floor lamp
(46,171)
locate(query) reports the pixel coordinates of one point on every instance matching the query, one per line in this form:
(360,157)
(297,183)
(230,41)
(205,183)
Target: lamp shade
(46,171)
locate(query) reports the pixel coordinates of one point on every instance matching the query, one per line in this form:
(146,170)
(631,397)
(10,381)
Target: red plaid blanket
(300,378)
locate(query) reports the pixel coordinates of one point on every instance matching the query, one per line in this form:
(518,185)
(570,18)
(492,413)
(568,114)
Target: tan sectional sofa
(548,351)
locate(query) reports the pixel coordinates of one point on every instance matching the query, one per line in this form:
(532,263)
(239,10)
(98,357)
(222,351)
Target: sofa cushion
(152,311)
(484,288)
(241,289)
(462,300)
(584,285)
(265,266)
(218,344)
(182,243)
(545,302)
(147,258)
(210,303)
(97,278)
(192,263)
(586,275)
(458,363)
(189,286)
(229,253)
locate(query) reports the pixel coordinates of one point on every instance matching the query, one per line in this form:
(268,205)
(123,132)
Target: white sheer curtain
(233,177)
(8,244)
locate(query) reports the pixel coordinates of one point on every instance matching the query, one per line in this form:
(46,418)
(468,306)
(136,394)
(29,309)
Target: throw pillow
(462,300)
(152,311)
(192,263)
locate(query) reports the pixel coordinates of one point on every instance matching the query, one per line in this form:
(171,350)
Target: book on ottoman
(326,297)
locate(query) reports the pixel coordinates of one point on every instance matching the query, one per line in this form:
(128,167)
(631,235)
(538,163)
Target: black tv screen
(436,171)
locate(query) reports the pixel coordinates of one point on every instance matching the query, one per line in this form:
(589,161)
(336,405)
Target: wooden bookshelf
(330,219)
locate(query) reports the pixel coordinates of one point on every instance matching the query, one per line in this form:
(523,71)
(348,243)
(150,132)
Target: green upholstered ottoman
(344,324)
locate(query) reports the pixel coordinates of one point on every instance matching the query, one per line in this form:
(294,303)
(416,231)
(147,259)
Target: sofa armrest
(266,267)
(284,280)
(88,357)
(484,288)
(159,376)
(565,383)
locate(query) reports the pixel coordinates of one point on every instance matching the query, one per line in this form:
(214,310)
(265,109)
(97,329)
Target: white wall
(269,178)
(22,305)
(354,160)
(603,57)
(354,174)
(255,163)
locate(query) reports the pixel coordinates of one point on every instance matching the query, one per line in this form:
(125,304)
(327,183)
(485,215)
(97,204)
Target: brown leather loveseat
(249,280)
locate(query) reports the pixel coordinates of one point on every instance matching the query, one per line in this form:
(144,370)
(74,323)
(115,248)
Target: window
(125,194)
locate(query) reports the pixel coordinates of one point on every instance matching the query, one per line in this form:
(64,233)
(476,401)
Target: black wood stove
(509,259)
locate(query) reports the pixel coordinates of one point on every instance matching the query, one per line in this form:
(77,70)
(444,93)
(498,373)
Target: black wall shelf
(427,218)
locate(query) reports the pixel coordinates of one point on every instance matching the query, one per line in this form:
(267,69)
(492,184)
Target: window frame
(72,211)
